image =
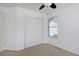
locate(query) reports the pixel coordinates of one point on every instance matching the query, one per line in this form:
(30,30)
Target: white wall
(11,37)
(45,29)
(31,13)
(33,31)
(20,29)
(14,35)
(3,11)
(68,37)
(68,28)
(27,14)
(15,27)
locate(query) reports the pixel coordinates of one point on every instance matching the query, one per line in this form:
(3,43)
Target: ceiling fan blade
(53,6)
(42,7)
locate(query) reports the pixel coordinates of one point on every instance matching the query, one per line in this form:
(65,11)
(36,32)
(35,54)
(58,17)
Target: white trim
(1,50)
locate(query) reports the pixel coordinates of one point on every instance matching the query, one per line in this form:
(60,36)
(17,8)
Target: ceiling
(35,6)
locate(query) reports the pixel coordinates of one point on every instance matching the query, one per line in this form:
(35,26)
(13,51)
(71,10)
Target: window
(53,27)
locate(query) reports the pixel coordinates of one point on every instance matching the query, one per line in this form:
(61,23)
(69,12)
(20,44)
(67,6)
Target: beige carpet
(40,50)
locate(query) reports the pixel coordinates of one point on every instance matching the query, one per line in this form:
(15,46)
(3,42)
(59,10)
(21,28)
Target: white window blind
(53,27)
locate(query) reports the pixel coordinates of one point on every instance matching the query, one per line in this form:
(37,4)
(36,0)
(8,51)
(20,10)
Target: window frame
(50,19)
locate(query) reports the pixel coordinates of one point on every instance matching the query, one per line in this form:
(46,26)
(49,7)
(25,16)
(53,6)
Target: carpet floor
(40,50)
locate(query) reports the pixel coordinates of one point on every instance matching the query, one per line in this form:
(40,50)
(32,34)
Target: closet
(33,28)
(2,30)
(20,29)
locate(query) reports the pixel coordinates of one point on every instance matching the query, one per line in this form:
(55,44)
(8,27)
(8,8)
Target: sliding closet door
(2,30)
(33,31)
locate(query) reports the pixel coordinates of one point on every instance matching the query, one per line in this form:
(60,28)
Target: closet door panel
(33,31)
(2,30)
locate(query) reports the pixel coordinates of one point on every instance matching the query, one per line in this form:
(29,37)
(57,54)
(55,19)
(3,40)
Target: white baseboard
(45,42)
(74,52)
(14,49)
(1,50)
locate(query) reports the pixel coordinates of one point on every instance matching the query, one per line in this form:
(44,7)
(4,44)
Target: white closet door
(33,31)
(2,30)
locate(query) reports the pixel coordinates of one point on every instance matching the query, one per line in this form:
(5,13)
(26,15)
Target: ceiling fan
(51,5)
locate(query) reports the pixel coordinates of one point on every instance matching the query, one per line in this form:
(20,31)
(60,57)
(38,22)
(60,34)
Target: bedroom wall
(15,27)
(68,37)
(11,37)
(3,28)
(27,14)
